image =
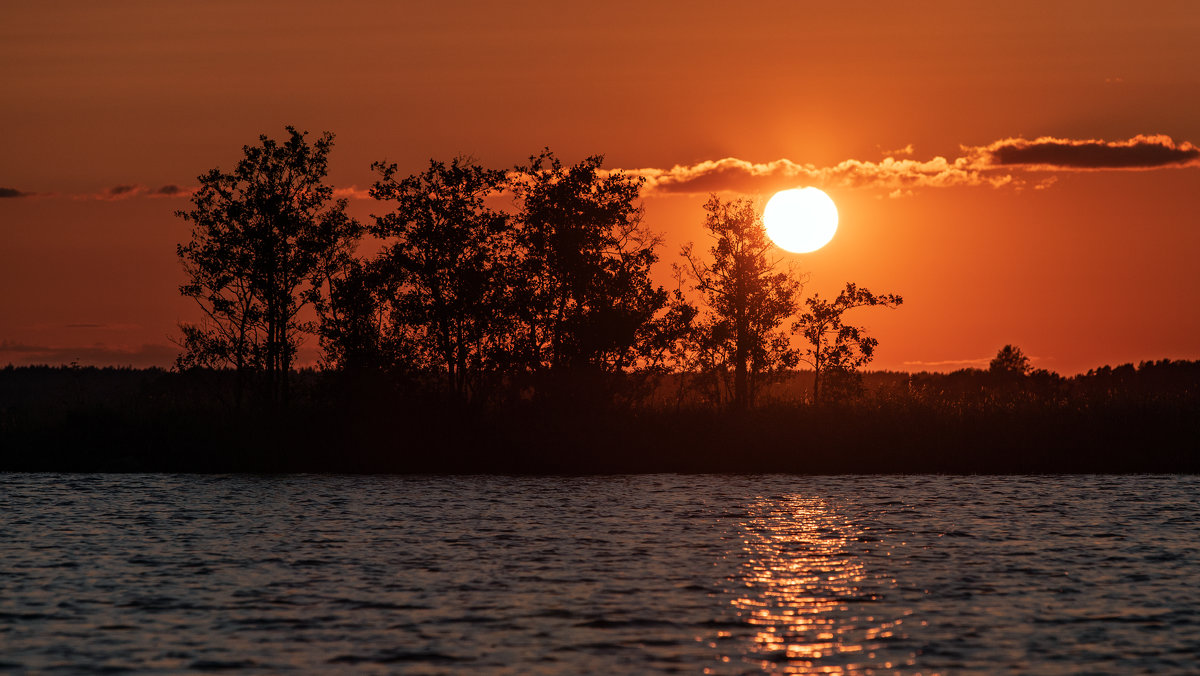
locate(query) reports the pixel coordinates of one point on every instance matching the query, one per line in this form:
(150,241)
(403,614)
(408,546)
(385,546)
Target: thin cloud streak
(959,363)
(98,354)
(134,190)
(981,362)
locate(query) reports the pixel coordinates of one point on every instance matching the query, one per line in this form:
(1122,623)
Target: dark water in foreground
(861,574)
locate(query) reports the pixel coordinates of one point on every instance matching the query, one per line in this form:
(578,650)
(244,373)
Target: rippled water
(928,574)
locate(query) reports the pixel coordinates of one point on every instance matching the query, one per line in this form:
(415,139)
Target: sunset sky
(1019,172)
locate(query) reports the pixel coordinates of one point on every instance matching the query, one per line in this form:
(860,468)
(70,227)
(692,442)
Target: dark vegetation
(1123,419)
(508,322)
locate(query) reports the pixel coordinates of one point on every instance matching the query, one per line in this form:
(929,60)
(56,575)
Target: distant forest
(507,321)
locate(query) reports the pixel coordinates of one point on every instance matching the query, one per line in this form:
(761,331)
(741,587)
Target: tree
(1010,361)
(747,299)
(353,333)
(267,239)
(833,346)
(442,269)
(584,303)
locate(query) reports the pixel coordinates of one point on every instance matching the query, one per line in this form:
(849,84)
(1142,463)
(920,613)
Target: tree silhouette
(747,299)
(267,238)
(1010,361)
(441,271)
(833,346)
(582,298)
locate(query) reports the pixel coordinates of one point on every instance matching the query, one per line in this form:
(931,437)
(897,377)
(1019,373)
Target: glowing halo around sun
(800,220)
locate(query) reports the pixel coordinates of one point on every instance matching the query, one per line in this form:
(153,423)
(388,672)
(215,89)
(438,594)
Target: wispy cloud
(1001,163)
(172,190)
(123,191)
(126,191)
(13,193)
(353,192)
(906,150)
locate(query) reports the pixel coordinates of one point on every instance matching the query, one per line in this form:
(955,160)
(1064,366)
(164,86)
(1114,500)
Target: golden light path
(800,220)
(806,594)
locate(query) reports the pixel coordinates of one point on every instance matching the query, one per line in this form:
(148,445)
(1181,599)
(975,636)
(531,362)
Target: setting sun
(800,220)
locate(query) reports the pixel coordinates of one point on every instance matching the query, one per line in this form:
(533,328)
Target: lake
(649,573)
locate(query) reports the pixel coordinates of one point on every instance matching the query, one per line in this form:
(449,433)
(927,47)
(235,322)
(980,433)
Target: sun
(800,220)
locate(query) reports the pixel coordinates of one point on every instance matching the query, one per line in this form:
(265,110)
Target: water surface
(724,574)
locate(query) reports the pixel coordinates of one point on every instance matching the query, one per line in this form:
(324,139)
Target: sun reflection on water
(808,598)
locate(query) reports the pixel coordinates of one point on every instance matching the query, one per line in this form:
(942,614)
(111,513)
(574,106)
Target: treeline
(56,389)
(1122,419)
(489,286)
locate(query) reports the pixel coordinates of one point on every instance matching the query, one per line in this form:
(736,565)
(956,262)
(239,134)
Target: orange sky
(1080,250)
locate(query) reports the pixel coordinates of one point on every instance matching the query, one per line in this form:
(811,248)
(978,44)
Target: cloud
(97,354)
(891,174)
(171,190)
(1049,153)
(120,192)
(115,193)
(353,192)
(998,164)
(13,192)
(906,150)
(129,190)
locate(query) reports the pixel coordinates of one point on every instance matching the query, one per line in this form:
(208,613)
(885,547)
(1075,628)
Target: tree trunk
(739,376)
(818,365)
